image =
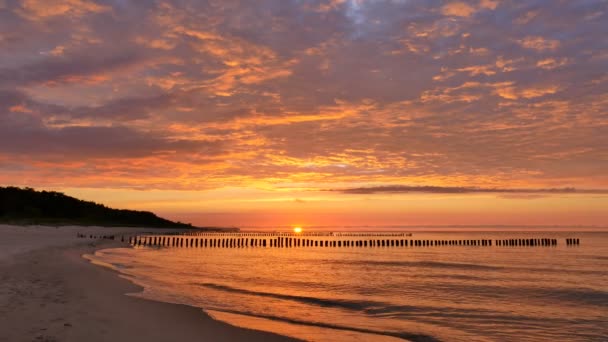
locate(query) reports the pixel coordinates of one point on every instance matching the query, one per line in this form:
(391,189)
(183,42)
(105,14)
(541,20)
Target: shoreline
(52,293)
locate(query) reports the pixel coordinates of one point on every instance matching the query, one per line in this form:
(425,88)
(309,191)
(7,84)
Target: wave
(430,264)
(122,266)
(416,337)
(432,313)
(339,303)
(584,296)
(460,266)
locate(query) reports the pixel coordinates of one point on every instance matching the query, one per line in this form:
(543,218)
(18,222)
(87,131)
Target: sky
(312,112)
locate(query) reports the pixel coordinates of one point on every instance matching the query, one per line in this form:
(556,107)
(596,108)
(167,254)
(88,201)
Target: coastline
(52,293)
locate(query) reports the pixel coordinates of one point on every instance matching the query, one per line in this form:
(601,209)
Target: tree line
(28,206)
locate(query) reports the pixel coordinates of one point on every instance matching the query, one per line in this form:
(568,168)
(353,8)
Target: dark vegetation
(28,206)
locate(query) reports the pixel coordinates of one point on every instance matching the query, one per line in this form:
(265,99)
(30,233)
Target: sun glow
(297,230)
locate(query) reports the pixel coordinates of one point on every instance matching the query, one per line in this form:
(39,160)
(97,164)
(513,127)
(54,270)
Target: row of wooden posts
(294,234)
(573,242)
(179,241)
(92,236)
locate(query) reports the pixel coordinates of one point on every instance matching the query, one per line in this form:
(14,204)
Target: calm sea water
(387,294)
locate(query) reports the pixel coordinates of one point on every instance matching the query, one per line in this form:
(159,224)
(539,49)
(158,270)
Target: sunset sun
(297,230)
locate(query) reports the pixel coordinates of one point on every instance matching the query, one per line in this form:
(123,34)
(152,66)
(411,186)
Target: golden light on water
(297,230)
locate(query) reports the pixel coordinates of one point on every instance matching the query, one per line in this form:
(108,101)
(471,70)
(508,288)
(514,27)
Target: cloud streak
(404,189)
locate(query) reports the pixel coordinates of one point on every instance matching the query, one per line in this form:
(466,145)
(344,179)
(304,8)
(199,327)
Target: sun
(297,230)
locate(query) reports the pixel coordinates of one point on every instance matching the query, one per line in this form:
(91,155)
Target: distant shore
(51,293)
(84,225)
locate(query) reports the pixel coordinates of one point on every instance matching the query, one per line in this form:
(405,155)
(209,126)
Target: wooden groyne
(571,241)
(293,234)
(314,239)
(222,241)
(92,236)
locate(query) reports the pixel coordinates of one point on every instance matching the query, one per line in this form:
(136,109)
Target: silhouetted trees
(29,206)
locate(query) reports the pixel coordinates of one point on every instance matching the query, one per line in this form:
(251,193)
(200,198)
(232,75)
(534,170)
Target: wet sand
(49,292)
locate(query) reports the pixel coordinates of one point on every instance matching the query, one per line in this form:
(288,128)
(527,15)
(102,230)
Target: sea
(433,293)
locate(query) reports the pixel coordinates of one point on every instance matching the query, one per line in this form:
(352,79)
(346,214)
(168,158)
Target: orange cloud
(57,50)
(42,9)
(20,109)
(328,6)
(458,9)
(510,92)
(539,43)
(475,70)
(508,65)
(466,92)
(463,9)
(162,44)
(245,62)
(489,4)
(551,63)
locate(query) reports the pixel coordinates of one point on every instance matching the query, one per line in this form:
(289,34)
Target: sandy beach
(49,292)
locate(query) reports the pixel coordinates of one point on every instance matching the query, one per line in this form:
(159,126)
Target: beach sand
(49,292)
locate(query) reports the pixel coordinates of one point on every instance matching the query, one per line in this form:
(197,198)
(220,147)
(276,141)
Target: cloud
(464,9)
(41,9)
(126,109)
(551,63)
(94,142)
(489,4)
(539,43)
(330,5)
(335,92)
(69,69)
(464,190)
(510,92)
(459,9)
(28,135)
